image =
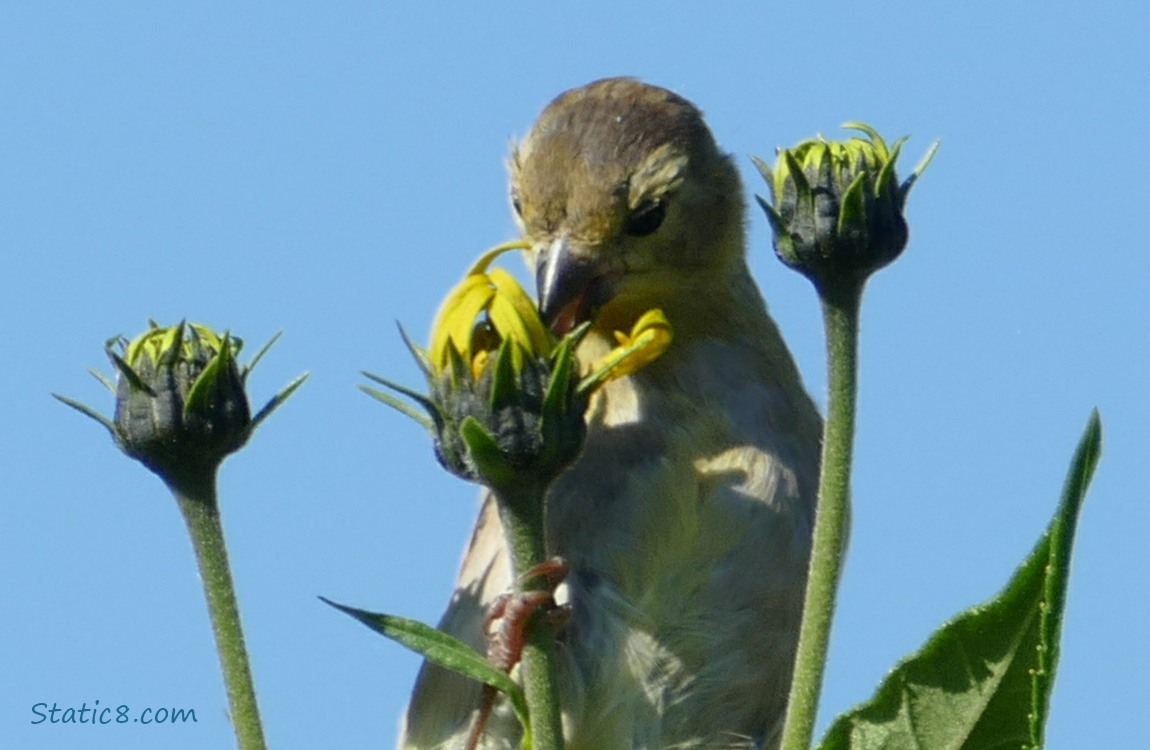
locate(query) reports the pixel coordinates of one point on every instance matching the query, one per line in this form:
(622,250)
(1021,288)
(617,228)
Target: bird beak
(569,287)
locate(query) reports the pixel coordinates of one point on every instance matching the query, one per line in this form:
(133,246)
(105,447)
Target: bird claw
(513,612)
(552,571)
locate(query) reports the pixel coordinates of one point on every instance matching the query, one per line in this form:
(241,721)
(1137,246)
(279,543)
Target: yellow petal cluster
(646,342)
(489,307)
(485,309)
(158,341)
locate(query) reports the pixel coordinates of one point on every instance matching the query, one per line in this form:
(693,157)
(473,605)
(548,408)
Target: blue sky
(328,170)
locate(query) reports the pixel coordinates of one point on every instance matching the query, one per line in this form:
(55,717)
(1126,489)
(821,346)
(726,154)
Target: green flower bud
(838,206)
(181,403)
(522,417)
(505,402)
(184,401)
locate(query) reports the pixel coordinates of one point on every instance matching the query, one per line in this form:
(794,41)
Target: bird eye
(646,219)
(515,204)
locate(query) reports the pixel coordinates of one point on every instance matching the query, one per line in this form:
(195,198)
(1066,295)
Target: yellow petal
(511,299)
(479,362)
(649,338)
(654,319)
(507,321)
(208,336)
(456,318)
(460,309)
(480,266)
(136,346)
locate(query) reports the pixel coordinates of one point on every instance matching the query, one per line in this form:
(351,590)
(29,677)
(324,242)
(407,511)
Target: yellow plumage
(686,520)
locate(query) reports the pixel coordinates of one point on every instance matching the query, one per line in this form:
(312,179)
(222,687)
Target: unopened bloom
(181,401)
(837,205)
(506,402)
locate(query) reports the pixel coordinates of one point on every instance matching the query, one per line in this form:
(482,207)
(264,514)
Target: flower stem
(521,511)
(197,499)
(840,305)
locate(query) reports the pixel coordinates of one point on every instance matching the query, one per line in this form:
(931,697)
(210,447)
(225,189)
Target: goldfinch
(686,520)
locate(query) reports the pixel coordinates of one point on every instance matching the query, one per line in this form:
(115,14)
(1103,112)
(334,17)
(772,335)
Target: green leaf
(1058,573)
(416,351)
(852,211)
(246,369)
(485,453)
(170,345)
(104,380)
(442,649)
(430,421)
(795,171)
(200,392)
(773,216)
(401,406)
(459,369)
(276,400)
(563,366)
(767,174)
(414,395)
(904,189)
(983,680)
(129,374)
(88,411)
(886,174)
(504,383)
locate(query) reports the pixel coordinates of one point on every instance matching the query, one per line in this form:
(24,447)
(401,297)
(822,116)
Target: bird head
(627,204)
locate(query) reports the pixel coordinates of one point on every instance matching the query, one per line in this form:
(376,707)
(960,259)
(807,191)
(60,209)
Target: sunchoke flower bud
(181,400)
(837,206)
(506,404)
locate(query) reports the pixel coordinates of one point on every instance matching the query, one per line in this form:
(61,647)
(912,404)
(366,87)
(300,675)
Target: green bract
(181,403)
(837,206)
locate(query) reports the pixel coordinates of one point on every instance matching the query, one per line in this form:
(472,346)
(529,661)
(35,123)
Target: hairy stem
(521,510)
(198,504)
(840,317)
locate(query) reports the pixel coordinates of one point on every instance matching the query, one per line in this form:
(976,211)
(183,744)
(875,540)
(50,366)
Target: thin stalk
(198,504)
(840,318)
(521,510)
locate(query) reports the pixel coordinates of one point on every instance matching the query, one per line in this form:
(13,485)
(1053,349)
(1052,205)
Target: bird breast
(686,522)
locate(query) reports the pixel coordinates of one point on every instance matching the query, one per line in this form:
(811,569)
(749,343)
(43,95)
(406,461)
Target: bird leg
(513,611)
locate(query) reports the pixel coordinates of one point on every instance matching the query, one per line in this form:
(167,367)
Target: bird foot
(552,571)
(513,612)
